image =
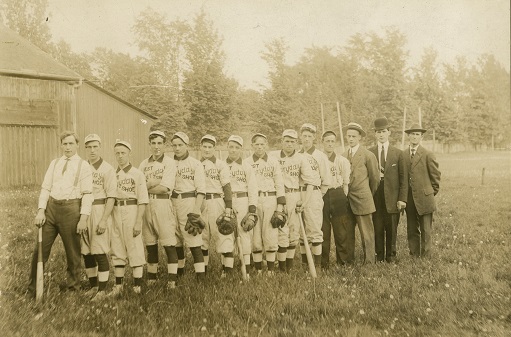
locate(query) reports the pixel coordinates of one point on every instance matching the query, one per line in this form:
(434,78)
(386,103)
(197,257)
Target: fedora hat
(355,126)
(415,128)
(381,123)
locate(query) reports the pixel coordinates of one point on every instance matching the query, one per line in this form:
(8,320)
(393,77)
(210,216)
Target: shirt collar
(414,148)
(211,159)
(332,157)
(283,155)
(385,145)
(184,157)
(309,151)
(97,164)
(256,158)
(229,160)
(126,169)
(159,159)
(354,149)
(73,157)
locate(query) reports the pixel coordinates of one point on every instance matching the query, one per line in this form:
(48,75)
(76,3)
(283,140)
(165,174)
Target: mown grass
(462,290)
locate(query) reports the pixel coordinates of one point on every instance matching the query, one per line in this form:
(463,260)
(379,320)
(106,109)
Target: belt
(240,194)
(183,195)
(292,190)
(267,194)
(125,202)
(212,196)
(334,188)
(381,178)
(64,201)
(158,196)
(304,188)
(99,202)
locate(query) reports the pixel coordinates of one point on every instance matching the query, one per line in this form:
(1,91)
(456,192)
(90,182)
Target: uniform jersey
(295,168)
(243,179)
(217,174)
(319,163)
(162,169)
(190,175)
(104,183)
(131,184)
(268,174)
(339,170)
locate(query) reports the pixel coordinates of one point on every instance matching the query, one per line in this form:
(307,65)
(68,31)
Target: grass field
(463,289)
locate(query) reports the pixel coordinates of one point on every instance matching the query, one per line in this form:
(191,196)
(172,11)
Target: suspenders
(75,184)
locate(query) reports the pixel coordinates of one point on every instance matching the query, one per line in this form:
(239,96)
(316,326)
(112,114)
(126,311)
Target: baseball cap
(158,133)
(123,143)
(208,138)
(258,135)
(290,133)
(91,138)
(328,132)
(236,139)
(182,136)
(308,127)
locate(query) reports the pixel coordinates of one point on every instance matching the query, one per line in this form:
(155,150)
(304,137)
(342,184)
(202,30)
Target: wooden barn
(40,98)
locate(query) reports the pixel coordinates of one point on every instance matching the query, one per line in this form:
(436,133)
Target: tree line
(179,77)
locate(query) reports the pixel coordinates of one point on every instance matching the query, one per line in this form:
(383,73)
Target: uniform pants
(385,227)
(91,242)
(61,219)
(159,223)
(265,236)
(337,219)
(313,218)
(418,228)
(290,233)
(211,210)
(183,207)
(125,247)
(240,206)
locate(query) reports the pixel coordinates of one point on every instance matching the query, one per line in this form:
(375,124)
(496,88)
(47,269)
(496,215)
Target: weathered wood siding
(102,114)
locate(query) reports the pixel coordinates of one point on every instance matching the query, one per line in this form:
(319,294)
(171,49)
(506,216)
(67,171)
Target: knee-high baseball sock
(316,252)
(119,274)
(281,257)
(290,255)
(103,270)
(302,252)
(172,263)
(91,269)
(152,261)
(258,259)
(198,261)
(205,254)
(228,262)
(180,260)
(270,260)
(138,272)
(246,260)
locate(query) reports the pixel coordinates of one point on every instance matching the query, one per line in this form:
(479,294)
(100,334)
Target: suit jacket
(423,176)
(395,185)
(364,181)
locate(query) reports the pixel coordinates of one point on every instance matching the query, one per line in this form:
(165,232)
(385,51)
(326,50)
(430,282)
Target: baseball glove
(249,221)
(194,224)
(278,219)
(226,222)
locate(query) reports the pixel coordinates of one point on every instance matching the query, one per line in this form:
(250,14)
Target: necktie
(382,160)
(412,151)
(65,166)
(350,155)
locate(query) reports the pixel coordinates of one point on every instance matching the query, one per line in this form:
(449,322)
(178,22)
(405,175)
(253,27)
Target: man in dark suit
(391,195)
(364,180)
(423,178)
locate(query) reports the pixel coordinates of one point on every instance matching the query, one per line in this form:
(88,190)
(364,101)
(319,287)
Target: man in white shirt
(64,207)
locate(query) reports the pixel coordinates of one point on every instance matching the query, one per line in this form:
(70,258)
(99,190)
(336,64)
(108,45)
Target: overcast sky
(454,27)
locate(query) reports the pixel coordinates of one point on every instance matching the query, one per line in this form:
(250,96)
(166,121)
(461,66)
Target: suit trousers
(337,219)
(385,227)
(62,218)
(366,230)
(418,229)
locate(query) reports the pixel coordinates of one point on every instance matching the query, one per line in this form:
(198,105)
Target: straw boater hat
(355,126)
(416,128)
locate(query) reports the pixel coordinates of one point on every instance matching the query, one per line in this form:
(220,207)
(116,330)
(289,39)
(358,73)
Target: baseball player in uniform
(336,218)
(159,222)
(129,207)
(187,198)
(244,192)
(271,198)
(64,207)
(95,242)
(295,169)
(218,199)
(313,209)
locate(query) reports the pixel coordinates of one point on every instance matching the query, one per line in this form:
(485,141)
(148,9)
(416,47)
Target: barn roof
(19,57)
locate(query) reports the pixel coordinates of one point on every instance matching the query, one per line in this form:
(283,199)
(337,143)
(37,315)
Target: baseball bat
(310,260)
(240,253)
(40,278)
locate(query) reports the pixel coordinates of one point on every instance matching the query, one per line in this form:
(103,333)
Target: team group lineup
(253,207)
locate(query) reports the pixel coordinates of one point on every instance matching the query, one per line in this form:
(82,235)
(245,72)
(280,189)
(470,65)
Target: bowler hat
(355,126)
(381,123)
(416,128)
